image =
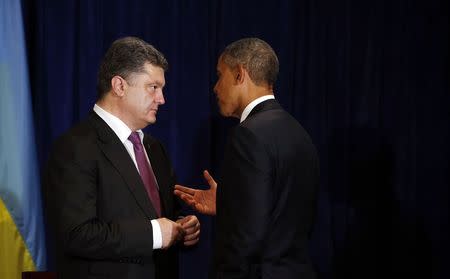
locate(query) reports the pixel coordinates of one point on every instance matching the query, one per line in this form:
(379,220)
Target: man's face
(228,97)
(143,96)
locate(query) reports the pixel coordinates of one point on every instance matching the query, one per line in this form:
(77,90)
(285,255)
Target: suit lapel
(116,153)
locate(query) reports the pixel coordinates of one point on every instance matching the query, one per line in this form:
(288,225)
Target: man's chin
(151,120)
(224,113)
(227,114)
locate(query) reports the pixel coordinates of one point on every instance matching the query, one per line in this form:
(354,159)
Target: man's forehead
(152,72)
(148,67)
(220,64)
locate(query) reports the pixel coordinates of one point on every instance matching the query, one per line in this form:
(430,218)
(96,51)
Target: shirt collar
(253,104)
(118,126)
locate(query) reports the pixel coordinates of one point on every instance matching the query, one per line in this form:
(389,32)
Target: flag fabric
(22,236)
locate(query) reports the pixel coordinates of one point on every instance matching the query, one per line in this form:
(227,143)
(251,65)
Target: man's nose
(160,98)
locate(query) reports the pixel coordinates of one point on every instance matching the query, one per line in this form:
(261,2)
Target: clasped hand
(186,229)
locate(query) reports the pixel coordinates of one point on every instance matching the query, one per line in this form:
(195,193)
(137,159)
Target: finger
(180,232)
(189,200)
(180,221)
(192,227)
(189,221)
(191,242)
(192,236)
(185,190)
(192,230)
(180,193)
(209,179)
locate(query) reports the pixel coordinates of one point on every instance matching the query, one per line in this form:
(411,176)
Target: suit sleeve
(244,205)
(71,198)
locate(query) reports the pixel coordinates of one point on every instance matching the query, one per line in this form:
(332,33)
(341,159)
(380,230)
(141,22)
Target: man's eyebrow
(153,82)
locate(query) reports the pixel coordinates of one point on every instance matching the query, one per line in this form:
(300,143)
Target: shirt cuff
(157,235)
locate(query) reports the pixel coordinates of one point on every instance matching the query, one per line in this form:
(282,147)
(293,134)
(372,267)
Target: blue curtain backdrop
(22,236)
(367,79)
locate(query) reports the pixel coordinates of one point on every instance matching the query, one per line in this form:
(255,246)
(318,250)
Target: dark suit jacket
(98,209)
(266,198)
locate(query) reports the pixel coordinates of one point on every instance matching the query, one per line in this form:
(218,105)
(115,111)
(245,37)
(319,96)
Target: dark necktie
(146,172)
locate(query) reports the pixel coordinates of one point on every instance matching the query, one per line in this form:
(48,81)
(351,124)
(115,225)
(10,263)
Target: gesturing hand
(203,201)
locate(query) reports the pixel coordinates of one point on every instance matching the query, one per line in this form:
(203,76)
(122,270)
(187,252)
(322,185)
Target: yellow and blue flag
(22,236)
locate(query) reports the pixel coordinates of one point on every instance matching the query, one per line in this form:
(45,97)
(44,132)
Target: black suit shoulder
(76,139)
(279,130)
(266,197)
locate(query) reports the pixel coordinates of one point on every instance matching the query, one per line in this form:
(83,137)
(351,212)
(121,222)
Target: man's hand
(191,226)
(203,201)
(171,232)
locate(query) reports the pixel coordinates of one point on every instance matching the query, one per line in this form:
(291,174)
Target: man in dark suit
(267,192)
(108,186)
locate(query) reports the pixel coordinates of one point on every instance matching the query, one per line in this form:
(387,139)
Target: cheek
(147,99)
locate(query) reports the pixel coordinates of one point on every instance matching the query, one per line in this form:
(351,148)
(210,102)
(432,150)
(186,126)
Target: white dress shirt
(253,104)
(123,132)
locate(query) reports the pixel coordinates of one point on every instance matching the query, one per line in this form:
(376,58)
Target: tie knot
(135,139)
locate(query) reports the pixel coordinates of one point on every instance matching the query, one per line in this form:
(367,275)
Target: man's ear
(118,86)
(240,74)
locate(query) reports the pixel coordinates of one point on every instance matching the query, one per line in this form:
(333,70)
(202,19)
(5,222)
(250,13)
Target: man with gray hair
(108,186)
(267,192)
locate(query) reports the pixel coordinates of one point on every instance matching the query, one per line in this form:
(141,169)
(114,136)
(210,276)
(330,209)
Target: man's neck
(254,93)
(115,110)
(253,104)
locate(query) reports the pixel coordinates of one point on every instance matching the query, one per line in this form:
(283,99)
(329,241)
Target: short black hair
(126,56)
(256,56)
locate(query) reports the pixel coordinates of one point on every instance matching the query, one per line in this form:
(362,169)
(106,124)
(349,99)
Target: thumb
(212,183)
